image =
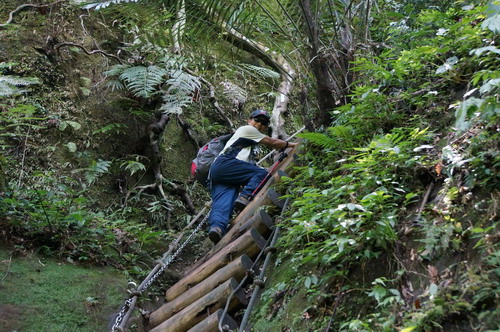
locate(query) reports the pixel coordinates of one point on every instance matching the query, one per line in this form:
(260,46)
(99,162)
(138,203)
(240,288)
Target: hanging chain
(164,265)
(170,259)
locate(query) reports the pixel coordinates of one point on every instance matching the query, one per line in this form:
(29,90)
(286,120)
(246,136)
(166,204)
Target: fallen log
(211,323)
(198,311)
(250,243)
(236,269)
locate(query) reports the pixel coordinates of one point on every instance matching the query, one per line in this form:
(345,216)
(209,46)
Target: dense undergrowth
(71,149)
(394,220)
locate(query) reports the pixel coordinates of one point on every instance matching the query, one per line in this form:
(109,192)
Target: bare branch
(25,6)
(63,44)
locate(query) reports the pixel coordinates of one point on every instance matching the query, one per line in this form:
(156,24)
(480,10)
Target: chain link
(121,314)
(164,265)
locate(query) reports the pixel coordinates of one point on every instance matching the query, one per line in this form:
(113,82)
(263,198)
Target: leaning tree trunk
(275,61)
(178,28)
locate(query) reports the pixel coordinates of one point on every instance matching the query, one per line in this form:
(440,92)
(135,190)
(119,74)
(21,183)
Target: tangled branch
(23,7)
(58,46)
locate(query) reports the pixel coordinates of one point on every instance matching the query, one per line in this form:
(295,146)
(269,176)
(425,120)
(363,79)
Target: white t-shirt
(244,136)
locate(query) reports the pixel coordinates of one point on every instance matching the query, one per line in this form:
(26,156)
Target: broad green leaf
(433,289)
(71,147)
(465,111)
(75,125)
(307,282)
(492,23)
(481,50)
(448,65)
(490,85)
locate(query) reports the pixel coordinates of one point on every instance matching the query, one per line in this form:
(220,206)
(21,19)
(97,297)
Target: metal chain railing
(129,304)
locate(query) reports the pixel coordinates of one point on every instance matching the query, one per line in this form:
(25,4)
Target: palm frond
(143,81)
(261,72)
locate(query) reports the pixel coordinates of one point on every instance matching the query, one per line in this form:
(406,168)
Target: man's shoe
(215,234)
(240,203)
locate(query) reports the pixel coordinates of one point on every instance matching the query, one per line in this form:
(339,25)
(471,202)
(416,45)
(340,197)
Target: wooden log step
(236,269)
(211,323)
(251,242)
(198,310)
(275,198)
(242,218)
(261,221)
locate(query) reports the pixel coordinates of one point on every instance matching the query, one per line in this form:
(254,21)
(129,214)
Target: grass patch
(38,294)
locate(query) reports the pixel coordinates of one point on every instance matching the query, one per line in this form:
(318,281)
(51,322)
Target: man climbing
(234,168)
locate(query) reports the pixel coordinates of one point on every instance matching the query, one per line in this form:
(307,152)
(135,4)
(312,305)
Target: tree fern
(173,103)
(181,88)
(143,81)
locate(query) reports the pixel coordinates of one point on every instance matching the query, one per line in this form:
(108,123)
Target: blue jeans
(227,175)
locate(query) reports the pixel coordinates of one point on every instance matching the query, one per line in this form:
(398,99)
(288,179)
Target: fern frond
(9,84)
(143,81)
(115,85)
(259,71)
(104,4)
(340,131)
(183,83)
(234,92)
(8,65)
(8,90)
(96,169)
(19,81)
(319,139)
(173,103)
(116,70)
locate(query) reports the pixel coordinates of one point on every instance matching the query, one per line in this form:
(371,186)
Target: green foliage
(54,215)
(10,84)
(358,180)
(169,81)
(133,166)
(143,81)
(360,217)
(260,71)
(18,121)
